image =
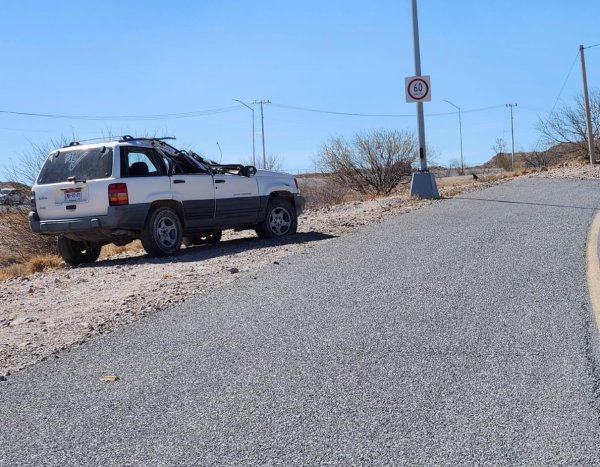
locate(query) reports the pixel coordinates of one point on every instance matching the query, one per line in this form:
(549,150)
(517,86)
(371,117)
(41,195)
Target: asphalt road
(454,335)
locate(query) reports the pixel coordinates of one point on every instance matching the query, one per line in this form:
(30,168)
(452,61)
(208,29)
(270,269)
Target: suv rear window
(83,164)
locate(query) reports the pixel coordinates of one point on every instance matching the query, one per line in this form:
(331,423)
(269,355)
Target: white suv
(143,188)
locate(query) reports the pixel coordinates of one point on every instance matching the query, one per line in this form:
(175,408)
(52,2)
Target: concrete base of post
(423,185)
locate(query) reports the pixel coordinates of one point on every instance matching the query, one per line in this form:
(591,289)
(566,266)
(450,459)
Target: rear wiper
(75,180)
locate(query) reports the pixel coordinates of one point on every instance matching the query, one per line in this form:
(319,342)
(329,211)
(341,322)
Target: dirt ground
(46,312)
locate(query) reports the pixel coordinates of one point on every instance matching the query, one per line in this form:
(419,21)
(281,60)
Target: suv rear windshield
(83,164)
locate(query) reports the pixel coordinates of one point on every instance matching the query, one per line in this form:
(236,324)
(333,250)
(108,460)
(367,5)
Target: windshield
(82,164)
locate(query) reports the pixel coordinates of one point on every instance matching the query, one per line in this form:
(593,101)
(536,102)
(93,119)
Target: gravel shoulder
(47,312)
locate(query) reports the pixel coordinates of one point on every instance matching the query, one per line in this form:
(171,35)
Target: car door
(145,173)
(237,201)
(192,185)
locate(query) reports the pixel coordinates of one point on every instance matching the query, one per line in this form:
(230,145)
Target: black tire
(280,220)
(206,239)
(162,234)
(75,253)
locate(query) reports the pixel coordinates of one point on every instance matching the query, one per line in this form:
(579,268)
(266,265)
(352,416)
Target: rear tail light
(32,202)
(117,194)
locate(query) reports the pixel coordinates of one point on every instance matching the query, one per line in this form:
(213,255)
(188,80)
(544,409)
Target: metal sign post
(418,89)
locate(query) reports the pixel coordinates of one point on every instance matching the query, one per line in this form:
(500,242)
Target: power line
(357,114)
(565,82)
(592,46)
(202,113)
(198,113)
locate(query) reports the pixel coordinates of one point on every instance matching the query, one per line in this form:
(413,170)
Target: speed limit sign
(418,89)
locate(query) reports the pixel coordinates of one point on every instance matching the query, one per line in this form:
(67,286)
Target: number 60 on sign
(418,89)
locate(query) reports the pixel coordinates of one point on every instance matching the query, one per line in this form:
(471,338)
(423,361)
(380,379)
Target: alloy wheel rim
(280,221)
(166,232)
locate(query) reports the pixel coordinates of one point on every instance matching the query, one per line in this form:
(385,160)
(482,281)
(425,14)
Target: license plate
(73,196)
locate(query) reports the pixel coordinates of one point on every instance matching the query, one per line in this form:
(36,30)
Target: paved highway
(454,335)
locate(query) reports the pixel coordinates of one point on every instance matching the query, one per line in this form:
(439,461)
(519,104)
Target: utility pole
(512,134)
(588,116)
(462,163)
(262,123)
(253,144)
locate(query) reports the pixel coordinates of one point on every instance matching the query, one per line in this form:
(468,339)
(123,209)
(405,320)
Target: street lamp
(462,164)
(512,134)
(253,144)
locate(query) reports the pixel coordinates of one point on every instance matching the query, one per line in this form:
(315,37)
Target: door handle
(219,181)
(178,181)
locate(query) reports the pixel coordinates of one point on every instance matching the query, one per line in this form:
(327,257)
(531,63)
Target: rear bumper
(131,217)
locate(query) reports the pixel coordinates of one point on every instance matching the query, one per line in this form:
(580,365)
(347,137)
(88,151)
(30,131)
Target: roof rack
(120,139)
(125,138)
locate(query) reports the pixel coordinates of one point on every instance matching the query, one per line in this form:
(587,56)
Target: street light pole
(262,123)
(253,144)
(512,134)
(462,164)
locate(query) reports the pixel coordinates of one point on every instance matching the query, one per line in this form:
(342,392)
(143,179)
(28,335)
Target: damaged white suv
(143,188)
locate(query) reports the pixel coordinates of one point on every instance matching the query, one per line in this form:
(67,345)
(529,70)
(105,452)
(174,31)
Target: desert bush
(34,264)
(327,193)
(16,236)
(567,127)
(19,240)
(113,250)
(370,163)
(43,262)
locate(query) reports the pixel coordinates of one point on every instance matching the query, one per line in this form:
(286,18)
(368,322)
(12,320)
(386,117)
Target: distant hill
(554,156)
(18,186)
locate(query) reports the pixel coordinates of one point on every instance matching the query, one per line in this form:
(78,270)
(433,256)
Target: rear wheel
(163,233)
(74,252)
(280,219)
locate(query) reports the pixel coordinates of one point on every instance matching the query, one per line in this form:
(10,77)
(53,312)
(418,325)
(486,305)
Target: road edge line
(593,268)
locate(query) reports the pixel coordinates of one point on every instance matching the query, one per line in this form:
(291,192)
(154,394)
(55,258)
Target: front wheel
(162,234)
(75,253)
(280,220)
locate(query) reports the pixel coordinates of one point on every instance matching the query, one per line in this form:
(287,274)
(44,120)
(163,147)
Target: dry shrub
(41,263)
(114,250)
(326,193)
(18,238)
(372,162)
(6,259)
(14,270)
(37,263)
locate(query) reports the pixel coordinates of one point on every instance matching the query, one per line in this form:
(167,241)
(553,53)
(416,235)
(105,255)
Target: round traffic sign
(418,89)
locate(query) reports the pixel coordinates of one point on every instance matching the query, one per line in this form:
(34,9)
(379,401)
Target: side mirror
(248,171)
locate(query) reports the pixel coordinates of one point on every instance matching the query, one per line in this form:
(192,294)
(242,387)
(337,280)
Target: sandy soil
(46,312)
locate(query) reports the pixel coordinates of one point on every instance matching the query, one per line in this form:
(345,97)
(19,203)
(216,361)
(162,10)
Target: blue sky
(150,58)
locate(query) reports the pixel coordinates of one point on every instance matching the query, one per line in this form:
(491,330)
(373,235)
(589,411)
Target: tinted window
(83,164)
(140,163)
